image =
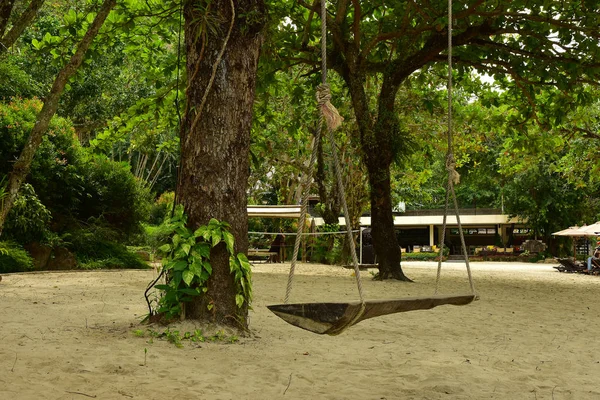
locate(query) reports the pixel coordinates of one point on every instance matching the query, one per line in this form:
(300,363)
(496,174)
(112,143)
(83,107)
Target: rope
(453,175)
(330,115)
(302,219)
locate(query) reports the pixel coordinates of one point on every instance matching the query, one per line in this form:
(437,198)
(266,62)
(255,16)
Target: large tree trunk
(377,152)
(21,167)
(215,138)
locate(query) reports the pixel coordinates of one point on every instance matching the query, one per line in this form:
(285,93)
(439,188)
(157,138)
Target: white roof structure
(293,211)
(274,211)
(424,220)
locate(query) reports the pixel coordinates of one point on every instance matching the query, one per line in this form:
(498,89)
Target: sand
(531,336)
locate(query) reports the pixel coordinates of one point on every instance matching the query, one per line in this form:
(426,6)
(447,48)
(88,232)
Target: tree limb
(23,22)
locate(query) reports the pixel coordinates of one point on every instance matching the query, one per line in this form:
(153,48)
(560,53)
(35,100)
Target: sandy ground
(531,336)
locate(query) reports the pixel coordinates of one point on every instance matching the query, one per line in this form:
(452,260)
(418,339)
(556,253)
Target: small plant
(178,339)
(173,337)
(139,333)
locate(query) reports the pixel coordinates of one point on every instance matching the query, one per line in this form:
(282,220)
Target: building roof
(426,220)
(274,211)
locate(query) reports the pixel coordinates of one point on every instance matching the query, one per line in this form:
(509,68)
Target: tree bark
(6,8)
(20,24)
(21,167)
(377,153)
(215,139)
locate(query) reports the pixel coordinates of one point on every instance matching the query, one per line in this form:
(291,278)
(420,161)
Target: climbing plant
(186,265)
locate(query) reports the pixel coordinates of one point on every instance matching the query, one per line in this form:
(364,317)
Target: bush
(328,248)
(94,251)
(114,195)
(161,208)
(28,219)
(55,169)
(14,80)
(157,235)
(14,259)
(421,256)
(71,184)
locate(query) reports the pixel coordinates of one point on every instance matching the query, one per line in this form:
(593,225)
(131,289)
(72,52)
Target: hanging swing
(334,318)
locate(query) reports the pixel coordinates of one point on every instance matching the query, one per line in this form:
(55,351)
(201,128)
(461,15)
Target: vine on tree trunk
(186,266)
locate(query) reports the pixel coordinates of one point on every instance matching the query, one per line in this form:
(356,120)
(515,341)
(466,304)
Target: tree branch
(23,22)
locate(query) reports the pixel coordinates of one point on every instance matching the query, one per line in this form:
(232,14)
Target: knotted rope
(328,110)
(451,168)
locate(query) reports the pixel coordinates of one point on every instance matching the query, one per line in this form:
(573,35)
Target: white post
(431,240)
(360,231)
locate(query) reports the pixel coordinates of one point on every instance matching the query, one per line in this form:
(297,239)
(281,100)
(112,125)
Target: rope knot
(451,168)
(331,114)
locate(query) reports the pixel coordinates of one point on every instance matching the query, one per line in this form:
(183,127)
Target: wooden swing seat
(334,318)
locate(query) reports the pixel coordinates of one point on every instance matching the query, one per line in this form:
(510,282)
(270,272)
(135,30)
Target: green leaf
(200,231)
(216,238)
(190,292)
(196,267)
(202,250)
(207,267)
(239,300)
(244,263)
(188,277)
(176,240)
(176,279)
(186,248)
(180,265)
(229,241)
(165,248)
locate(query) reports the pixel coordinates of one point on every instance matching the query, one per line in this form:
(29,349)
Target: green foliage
(421,256)
(98,248)
(3,191)
(328,248)
(14,81)
(28,219)
(161,208)
(56,170)
(114,195)
(71,185)
(14,259)
(187,264)
(175,337)
(544,198)
(157,235)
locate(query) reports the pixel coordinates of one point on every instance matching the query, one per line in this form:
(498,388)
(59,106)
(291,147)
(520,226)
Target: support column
(431,236)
